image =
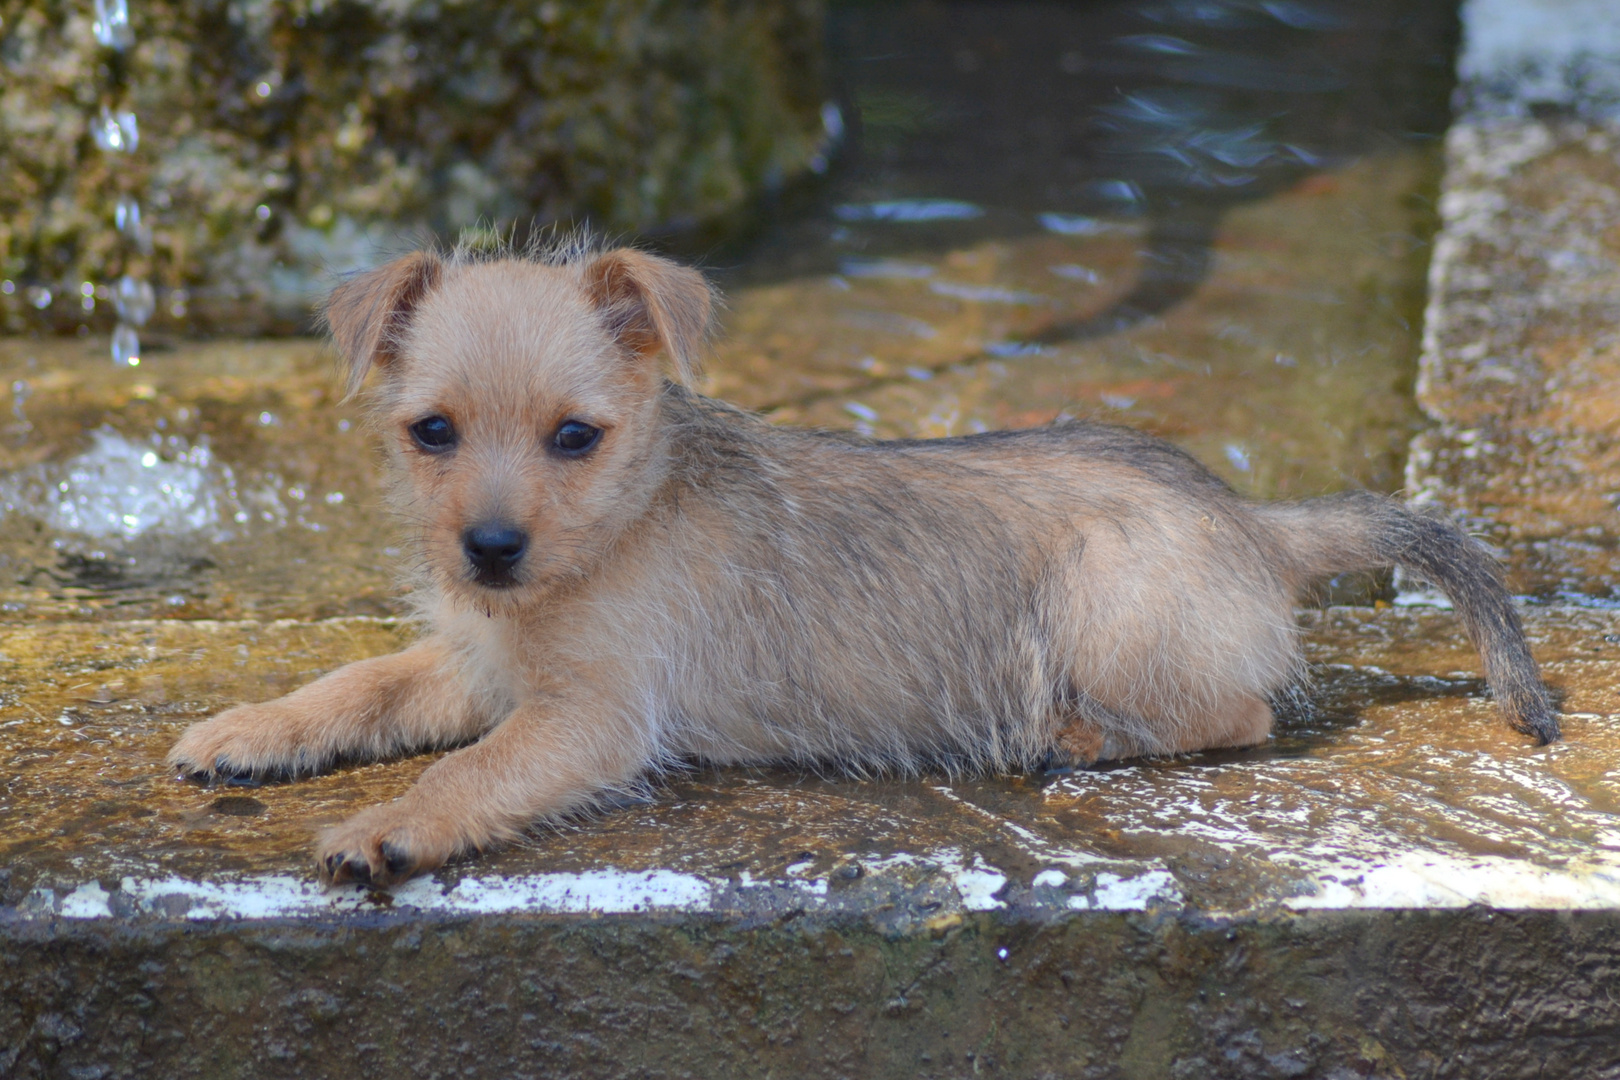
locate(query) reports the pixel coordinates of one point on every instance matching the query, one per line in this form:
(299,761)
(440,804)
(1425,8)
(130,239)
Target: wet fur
(707,586)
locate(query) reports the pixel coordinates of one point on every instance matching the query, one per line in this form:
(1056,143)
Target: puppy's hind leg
(1238,722)
(370,709)
(1089,733)
(1085,738)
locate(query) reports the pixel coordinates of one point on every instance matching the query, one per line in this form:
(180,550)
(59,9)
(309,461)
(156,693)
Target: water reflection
(1208,219)
(1040,215)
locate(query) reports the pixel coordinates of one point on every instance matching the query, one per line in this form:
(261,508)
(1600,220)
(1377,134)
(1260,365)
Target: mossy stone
(283,140)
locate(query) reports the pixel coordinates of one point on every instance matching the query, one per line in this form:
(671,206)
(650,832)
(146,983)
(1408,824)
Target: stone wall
(281,140)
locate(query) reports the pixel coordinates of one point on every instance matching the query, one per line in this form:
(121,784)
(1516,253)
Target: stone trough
(1396,886)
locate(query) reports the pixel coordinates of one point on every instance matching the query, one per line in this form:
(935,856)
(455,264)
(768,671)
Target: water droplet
(262,212)
(7,287)
(832,120)
(115,132)
(134,300)
(126,346)
(39,296)
(111,25)
(148,459)
(334,497)
(267,418)
(127,215)
(263,89)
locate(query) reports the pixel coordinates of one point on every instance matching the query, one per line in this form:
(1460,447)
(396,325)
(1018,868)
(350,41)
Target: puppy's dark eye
(575,438)
(435,434)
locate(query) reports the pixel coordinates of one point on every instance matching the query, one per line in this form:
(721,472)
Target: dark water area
(1210,220)
(1170,110)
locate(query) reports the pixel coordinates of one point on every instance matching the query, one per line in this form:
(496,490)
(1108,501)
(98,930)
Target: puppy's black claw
(347,866)
(397,859)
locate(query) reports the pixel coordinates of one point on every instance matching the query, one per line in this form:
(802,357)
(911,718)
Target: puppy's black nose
(494,551)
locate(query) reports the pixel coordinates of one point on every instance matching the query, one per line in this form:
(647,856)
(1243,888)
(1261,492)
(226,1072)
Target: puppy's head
(518,402)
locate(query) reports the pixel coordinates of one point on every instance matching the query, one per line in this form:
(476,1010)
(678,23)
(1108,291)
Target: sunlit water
(1208,219)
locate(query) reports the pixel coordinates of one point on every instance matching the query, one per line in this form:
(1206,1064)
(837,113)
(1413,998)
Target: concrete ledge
(1391,783)
(1521,352)
(1464,993)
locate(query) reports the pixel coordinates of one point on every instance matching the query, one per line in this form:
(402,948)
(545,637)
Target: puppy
(618,574)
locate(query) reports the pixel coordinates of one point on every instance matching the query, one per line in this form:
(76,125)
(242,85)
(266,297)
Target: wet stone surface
(1522,356)
(1390,783)
(1288,369)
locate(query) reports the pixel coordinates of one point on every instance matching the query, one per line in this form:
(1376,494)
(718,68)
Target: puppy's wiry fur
(697,584)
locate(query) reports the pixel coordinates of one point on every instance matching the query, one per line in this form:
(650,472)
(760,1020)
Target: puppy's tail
(1363,531)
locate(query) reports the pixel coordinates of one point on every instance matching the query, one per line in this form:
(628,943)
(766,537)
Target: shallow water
(1209,220)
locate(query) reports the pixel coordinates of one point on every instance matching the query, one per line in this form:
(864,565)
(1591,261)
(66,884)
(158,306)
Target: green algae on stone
(280,140)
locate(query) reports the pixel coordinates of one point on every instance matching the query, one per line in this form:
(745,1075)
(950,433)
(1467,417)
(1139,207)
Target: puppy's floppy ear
(651,303)
(367,313)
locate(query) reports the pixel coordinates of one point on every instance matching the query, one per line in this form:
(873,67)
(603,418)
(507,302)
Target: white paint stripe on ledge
(1426,879)
(280,896)
(1411,880)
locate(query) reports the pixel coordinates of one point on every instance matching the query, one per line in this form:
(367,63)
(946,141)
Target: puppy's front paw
(384,846)
(249,740)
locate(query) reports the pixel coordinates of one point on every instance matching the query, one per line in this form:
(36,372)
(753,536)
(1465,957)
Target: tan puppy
(618,574)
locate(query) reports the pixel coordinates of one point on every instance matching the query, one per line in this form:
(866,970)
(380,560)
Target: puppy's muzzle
(494,552)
